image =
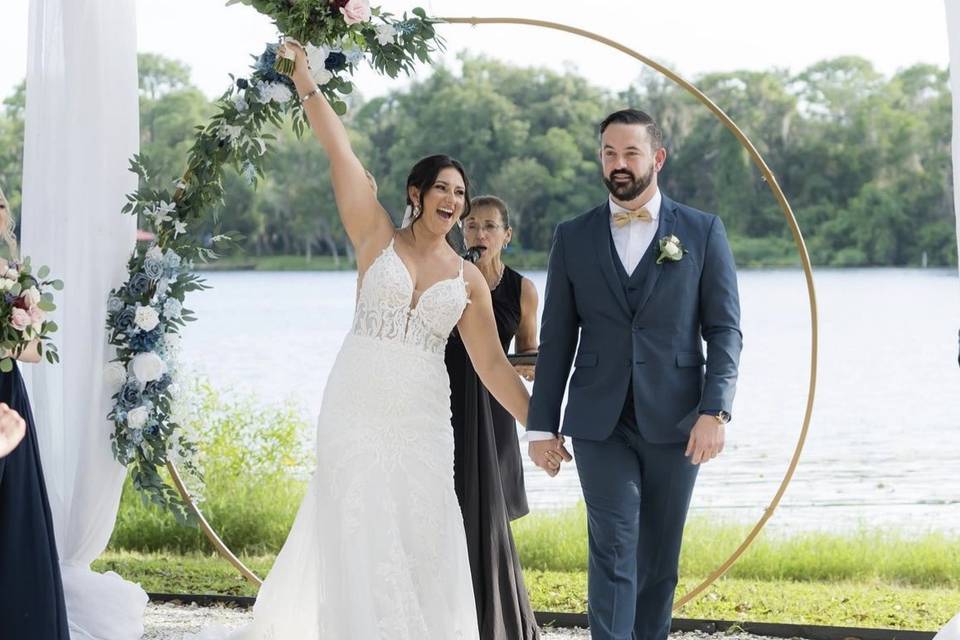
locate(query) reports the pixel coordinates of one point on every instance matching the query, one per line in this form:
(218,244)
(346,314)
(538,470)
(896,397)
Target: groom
(640,280)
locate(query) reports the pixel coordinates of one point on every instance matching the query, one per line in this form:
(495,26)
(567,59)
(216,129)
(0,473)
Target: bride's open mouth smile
(445,213)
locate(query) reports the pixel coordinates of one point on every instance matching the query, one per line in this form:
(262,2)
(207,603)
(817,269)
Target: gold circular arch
(778,194)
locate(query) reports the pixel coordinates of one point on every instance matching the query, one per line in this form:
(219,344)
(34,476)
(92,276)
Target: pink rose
(19,319)
(356,11)
(37,316)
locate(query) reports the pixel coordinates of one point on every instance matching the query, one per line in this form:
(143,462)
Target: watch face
(724,417)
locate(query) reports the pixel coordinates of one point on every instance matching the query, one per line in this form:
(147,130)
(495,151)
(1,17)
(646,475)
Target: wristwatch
(722,416)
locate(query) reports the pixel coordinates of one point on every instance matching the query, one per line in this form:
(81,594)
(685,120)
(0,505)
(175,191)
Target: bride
(377,549)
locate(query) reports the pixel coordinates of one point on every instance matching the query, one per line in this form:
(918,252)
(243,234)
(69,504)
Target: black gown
(31,592)
(488,475)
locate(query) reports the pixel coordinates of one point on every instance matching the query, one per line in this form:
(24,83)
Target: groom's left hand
(706,440)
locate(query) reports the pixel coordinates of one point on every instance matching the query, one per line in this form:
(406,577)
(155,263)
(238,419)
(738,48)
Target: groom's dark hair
(635,116)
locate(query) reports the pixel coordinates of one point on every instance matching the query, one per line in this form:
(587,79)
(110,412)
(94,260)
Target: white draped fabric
(81,127)
(952,630)
(953,32)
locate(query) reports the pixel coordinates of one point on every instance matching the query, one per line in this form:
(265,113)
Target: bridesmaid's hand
(12,429)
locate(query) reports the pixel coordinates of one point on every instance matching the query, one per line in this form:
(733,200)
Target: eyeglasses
(489,227)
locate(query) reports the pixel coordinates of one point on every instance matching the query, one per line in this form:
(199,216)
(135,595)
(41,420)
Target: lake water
(884,442)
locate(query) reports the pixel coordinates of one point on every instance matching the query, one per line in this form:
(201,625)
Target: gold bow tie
(621,218)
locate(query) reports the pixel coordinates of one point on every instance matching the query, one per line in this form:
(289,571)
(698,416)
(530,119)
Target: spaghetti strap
(461,268)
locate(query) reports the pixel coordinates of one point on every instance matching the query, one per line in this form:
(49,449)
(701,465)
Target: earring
(416,212)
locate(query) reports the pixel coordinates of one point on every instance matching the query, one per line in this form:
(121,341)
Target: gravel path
(169,622)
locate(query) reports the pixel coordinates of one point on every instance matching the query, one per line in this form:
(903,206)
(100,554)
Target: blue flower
(114,304)
(336,61)
(153,268)
(159,386)
(354,55)
(152,430)
(129,395)
(123,321)
(9,298)
(242,83)
(171,259)
(136,437)
(145,340)
(138,285)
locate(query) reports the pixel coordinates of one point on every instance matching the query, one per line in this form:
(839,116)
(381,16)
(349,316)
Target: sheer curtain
(81,127)
(953,38)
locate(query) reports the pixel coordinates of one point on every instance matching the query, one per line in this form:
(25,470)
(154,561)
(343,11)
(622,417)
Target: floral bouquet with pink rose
(25,301)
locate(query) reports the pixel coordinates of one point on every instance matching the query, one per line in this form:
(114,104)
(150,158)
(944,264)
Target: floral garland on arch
(146,313)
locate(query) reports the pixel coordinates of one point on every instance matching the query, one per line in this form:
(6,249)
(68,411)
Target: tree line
(863,158)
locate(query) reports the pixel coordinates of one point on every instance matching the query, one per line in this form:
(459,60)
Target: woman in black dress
(487,463)
(31,592)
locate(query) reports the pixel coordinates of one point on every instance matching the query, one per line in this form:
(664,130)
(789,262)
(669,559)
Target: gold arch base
(801,250)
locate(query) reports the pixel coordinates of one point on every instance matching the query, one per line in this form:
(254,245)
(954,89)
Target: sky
(691,37)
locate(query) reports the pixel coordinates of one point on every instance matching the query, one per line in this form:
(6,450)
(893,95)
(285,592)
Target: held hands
(549,454)
(706,440)
(12,429)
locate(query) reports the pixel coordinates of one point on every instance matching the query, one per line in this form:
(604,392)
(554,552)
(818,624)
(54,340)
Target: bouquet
(24,307)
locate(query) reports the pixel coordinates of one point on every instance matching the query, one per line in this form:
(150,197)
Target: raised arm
(478,328)
(366,222)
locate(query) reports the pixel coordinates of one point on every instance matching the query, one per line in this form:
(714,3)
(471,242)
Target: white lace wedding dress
(377,550)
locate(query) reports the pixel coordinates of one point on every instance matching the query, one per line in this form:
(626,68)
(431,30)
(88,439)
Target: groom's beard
(627,191)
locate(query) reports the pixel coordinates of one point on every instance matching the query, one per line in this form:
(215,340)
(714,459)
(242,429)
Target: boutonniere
(670,249)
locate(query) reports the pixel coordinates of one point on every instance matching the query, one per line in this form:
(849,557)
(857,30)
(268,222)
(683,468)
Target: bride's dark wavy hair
(424,174)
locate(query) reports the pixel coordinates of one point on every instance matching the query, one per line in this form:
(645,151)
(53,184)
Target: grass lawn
(843,603)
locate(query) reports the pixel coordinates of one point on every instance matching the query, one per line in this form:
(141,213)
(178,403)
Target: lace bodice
(384,311)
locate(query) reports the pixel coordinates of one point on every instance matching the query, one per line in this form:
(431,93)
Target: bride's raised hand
(293,51)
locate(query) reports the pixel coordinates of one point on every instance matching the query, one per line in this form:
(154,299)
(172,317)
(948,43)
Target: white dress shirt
(631,241)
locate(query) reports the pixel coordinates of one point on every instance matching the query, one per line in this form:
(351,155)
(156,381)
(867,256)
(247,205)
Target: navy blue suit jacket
(659,348)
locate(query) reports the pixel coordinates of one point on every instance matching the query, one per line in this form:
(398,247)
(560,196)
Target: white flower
(136,418)
(146,318)
(32,296)
(316,56)
(386,34)
(321,75)
(162,213)
(240,103)
(155,253)
(12,274)
(230,132)
(179,227)
(6,284)
(275,92)
(4,265)
(147,367)
(172,308)
(249,172)
(670,249)
(114,375)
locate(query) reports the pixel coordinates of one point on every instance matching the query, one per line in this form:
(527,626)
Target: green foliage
(864,159)
(255,463)
(870,604)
